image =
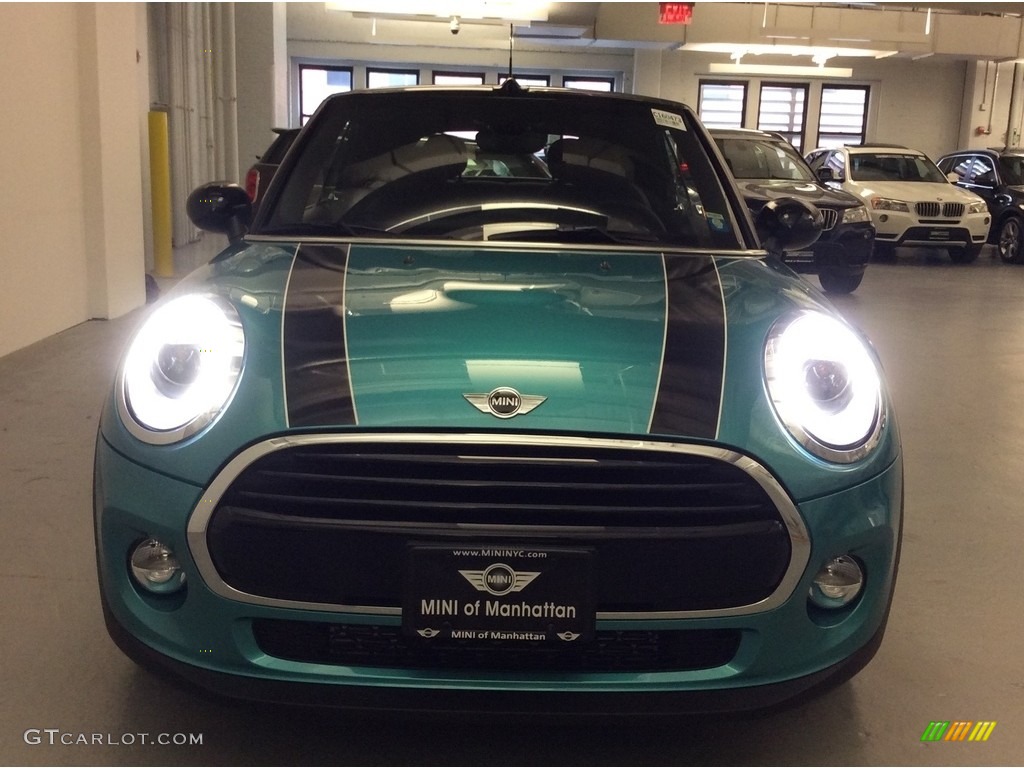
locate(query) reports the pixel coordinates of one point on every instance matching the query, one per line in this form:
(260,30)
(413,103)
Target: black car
(997,175)
(258,178)
(767,167)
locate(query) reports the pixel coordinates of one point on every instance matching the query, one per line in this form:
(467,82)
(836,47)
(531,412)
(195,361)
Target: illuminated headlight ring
(181,369)
(825,386)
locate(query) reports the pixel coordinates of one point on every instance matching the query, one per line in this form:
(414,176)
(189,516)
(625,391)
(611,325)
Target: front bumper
(209,639)
(908,229)
(845,249)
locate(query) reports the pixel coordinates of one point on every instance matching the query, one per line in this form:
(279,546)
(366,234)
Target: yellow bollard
(160,186)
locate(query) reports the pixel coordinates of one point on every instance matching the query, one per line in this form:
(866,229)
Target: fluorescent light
(779,69)
(752,49)
(509,10)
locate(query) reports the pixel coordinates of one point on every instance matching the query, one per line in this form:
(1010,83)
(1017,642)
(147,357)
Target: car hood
(912,191)
(399,336)
(757,192)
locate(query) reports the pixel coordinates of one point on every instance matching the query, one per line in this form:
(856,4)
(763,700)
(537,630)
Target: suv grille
(831,217)
(333,522)
(945,210)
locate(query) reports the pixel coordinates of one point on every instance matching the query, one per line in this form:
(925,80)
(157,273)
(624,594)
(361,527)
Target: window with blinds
(844,115)
(722,104)
(782,110)
(317,83)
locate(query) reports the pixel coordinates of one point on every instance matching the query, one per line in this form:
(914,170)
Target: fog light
(156,568)
(838,583)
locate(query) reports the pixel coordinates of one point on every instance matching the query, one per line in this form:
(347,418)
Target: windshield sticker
(717,222)
(668,119)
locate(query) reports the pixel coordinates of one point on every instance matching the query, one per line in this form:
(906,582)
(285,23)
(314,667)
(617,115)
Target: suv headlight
(825,386)
(855,215)
(978,206)
(887,204)
(181,368)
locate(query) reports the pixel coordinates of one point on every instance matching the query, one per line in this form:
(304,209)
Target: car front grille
(385,646)
(945,210)
(831,217)
(332,523)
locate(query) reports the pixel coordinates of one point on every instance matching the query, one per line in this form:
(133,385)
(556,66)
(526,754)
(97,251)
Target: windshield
(893,166)
(494,165)
(1012,167)
(764,159)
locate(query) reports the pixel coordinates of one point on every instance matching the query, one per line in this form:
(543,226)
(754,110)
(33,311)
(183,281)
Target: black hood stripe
(690,390)
(317,386)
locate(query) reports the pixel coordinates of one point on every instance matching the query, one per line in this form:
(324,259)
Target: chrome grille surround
(944,210)
(201,516)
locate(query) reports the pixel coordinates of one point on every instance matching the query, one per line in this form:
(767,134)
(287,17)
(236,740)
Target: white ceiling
(571,25)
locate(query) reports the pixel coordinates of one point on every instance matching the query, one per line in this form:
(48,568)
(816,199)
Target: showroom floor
(952,340)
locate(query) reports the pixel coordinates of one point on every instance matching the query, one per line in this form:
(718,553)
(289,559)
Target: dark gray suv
(997,175)
(768,167)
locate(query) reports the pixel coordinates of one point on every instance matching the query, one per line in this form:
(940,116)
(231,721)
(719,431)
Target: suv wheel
(1011,241)
(835,281)
(965,255)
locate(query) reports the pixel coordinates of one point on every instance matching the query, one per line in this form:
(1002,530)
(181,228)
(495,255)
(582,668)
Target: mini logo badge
(499,579)
(504,402)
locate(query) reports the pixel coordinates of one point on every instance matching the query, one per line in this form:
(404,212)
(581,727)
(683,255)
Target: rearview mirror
(220,207)
(788,224)
(827,174)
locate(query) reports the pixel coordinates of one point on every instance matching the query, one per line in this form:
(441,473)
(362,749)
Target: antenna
(511,40)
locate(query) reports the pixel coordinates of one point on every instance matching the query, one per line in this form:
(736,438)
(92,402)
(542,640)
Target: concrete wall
(72,156)
(262,81)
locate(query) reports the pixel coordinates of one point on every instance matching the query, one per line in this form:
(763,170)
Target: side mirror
(220,207)
(826,174)
(788,224)
(952,178)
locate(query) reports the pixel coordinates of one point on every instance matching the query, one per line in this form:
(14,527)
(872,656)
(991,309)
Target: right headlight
(824,385)
(181,368)
(888,204)
(856,214)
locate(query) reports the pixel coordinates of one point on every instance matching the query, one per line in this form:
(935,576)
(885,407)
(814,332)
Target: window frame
(370,71)
(610,81)
(304,116)
(744,84)
(834,136)
(434,74)
(802,133)
(521,76)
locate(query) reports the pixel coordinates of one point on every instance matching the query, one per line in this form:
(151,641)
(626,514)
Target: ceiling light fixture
(779,70)
(504,10)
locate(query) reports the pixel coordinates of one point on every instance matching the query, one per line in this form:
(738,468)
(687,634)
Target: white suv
(910,201)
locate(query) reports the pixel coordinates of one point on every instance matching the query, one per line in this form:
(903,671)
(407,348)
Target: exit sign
(675,13)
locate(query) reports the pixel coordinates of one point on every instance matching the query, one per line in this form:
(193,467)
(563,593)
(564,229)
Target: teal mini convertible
(498,401)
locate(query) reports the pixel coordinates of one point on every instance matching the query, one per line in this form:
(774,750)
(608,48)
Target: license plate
(939,234)
(491,593)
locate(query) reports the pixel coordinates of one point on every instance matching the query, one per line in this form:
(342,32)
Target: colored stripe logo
(958,730)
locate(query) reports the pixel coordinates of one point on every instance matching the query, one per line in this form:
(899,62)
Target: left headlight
(181,368)
(887,204)
(856,214)
(825,386)
(978,206)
